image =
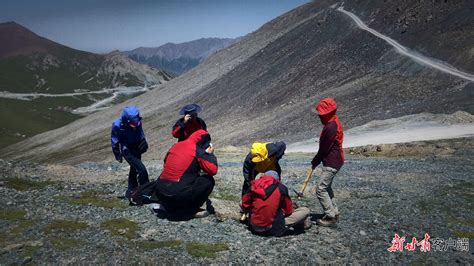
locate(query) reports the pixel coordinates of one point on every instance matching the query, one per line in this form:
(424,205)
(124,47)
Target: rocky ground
(71,214)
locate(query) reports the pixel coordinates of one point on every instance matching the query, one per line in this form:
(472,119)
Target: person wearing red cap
(331,154)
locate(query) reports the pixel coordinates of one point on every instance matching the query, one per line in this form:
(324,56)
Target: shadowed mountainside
(178,58)
(265,86)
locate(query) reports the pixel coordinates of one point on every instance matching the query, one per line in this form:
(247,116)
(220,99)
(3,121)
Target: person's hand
(314,163)
(119,158)
(187,118)
(210,149)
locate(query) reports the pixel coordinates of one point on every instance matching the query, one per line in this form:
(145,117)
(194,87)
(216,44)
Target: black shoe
(209,208)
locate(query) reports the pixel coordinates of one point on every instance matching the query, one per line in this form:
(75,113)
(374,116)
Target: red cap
(325,106)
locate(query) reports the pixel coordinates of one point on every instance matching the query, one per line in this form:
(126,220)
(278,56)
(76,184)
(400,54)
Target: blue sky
(102,26)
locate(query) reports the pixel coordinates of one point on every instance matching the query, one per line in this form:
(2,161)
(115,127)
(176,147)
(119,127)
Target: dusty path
(410,128)
(422,59)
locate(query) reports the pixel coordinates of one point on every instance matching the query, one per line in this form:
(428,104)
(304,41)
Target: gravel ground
(377,197)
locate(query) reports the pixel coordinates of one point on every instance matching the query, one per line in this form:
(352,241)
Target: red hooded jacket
(269,204)
(186,159)
(330,143)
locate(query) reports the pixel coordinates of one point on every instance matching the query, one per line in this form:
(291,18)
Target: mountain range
(42,81)
(265,86)
(181,57)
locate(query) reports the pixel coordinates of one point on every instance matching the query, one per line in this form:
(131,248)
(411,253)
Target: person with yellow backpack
(263,157)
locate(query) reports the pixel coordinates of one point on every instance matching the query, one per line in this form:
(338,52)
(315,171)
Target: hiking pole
(305,183)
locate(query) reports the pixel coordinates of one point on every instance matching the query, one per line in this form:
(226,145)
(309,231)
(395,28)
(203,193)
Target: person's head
(273,174)
(326,109)
(131,116)
(259,152)
(190,109)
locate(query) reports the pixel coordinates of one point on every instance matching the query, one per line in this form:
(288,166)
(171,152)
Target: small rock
(34,243)
(362,233)
(122,231)
(26,260)
(2,183)
(13,247)
(9,203)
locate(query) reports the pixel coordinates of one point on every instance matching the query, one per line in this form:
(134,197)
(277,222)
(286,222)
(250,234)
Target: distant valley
(45,85)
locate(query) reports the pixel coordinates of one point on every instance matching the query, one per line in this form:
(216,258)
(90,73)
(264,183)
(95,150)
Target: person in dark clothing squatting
(129,143)
(187,178)
(331,154)
(189,123)
(263,156)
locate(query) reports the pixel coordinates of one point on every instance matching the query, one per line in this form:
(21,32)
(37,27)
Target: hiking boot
(209,208)
(327,221)
(201,214)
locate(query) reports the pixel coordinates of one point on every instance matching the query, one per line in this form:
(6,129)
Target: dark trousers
(176,198)
(138,173)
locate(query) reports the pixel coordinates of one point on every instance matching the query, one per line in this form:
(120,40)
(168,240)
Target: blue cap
(190,108)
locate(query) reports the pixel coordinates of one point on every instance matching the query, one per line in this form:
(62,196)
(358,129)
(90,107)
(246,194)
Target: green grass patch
(94,198)
(29,251)
(468,222)
(464,234)
(226,196)
(22,227)
(205,250)
(63,243)
(64,226)
(174,244)
(121,227)
(12,214)
(22,184)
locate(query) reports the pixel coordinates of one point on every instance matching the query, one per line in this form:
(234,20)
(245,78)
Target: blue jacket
(124,136)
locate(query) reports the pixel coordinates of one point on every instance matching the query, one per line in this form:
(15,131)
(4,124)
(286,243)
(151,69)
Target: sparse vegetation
(175,244)
(22,227)
(94,198)
(121,227)
(464,234)
(205,250)
(22,184)
(62,243)
(64,226)
(12,214)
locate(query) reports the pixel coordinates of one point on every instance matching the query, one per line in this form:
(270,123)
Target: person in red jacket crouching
(187,178)
(270,207)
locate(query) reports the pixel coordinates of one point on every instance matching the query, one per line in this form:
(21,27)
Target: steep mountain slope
(181,57)
(41,81)
(265,86)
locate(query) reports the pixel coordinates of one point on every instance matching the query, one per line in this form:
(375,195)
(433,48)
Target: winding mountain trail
(422,59)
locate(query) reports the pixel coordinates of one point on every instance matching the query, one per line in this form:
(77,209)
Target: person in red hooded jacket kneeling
(187,178)
(270,207)
(331,154)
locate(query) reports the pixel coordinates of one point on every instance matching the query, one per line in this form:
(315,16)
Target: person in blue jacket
(129,143)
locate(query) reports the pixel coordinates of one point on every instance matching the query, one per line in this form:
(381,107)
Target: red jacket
(182,130)
(269,204)
(330,144)
(186,159)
